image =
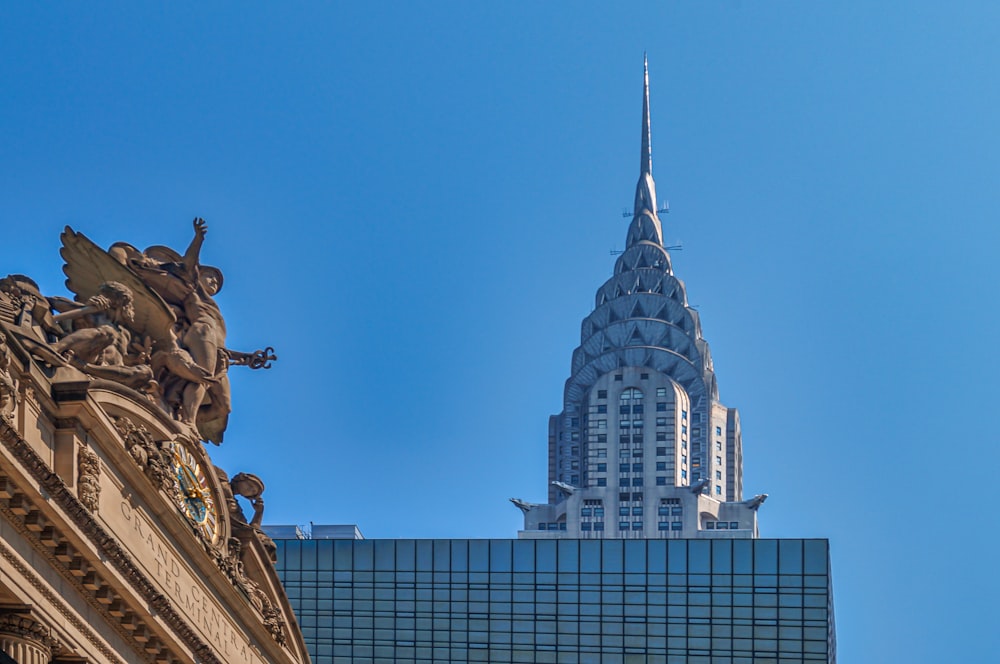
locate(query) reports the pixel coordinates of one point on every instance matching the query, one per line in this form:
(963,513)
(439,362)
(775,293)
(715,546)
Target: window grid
(737,601)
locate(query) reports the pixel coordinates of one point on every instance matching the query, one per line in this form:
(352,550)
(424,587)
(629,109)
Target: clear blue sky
(415,202)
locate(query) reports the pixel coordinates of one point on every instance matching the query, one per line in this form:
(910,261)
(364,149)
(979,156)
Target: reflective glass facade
(601,601)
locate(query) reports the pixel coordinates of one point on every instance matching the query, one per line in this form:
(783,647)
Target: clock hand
(189,481)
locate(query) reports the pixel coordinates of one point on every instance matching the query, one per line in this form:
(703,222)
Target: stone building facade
(120,540)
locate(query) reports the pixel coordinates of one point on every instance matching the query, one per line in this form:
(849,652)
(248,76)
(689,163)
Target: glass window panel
(291,557)
(569,556)
(425,555)
(743,556)
(405,555)
(590,556)
(814,600)
(814,581)
(699,556)
(324,554)
(479,555)
(363,551)
(442,556)
(611,554)
(722,556)
(765,556)
(524,555)
(499,555)
(635,556)
(309,555)
(790,580)
(459,556)
(816,556)
(677,556)
(385,554)
(790,556)
(657,556)
(814,614)
(546,555)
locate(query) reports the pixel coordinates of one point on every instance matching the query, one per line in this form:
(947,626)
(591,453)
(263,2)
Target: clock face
(195,493)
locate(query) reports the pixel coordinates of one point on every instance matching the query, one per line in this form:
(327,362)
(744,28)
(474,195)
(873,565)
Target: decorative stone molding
(89,478)
(30,397)
(150,455)
(71,617)
(65,423)
(8,391)
(26,640)
(275,623)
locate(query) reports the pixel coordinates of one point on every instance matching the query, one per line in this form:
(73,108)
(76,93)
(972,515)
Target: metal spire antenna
(645,194)
(646,158)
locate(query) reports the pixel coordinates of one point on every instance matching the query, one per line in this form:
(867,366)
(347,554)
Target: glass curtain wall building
(607,601)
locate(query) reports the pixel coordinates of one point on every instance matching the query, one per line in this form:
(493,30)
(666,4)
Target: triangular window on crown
(606,344)
(635,339)
(637,311)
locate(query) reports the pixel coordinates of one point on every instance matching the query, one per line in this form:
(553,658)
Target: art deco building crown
(643,447)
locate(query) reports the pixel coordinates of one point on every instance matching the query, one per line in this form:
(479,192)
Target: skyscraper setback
(643,448)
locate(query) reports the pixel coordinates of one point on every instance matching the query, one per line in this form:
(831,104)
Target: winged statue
(148,319)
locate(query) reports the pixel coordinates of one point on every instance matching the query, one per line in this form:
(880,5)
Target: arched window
(631,393)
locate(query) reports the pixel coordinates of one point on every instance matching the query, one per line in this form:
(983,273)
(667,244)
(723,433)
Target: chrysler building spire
(646,160)
(645,223)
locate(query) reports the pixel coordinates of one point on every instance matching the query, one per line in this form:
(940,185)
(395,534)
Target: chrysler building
(643,447)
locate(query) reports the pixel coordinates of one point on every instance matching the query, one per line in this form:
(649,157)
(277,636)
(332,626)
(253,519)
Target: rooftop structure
(315,531)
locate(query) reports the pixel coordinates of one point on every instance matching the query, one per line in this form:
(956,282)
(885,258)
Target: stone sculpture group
(144,319)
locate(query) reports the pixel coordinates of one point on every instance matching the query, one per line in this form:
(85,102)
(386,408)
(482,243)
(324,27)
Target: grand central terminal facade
(120,540)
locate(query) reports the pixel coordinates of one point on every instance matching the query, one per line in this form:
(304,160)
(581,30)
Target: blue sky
(415,203)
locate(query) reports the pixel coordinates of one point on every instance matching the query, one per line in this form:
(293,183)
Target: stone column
(27,641)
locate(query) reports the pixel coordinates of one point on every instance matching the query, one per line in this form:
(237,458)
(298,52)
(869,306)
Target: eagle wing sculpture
(523,505)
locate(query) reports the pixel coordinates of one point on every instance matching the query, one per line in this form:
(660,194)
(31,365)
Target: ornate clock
(195,492)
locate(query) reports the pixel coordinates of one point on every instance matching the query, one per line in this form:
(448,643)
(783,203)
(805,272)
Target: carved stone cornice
(27,629)
(70,616)
(63,423)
